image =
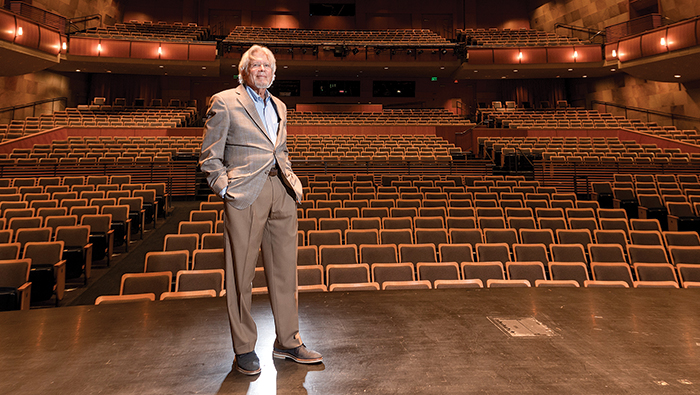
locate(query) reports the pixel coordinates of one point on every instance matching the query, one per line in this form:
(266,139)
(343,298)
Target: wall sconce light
(160,50)
(575,54)
(663,41)
(614,53)
(99,48)
(520,55)
(20,31)
(64,46)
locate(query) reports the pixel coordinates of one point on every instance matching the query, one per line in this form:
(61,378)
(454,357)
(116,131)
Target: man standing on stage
(245,157)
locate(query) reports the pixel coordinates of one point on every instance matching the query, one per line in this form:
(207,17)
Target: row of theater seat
(192,234)
(581,150)
(495,37)
(70,234)
(20,128)
(160,31)
(516,118)
(337,267)
(385,117)
(268,35)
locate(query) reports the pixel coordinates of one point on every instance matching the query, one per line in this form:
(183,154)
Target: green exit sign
(433,78)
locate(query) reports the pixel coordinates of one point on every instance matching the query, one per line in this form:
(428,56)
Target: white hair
(245,61)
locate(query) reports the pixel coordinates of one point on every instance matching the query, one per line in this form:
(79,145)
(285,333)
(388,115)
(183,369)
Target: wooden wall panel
(681,36)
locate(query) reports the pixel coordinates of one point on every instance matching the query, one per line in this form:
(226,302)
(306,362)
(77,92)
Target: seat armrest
(25,295)
(642,212)
(59,274)
(87,250)
(672,223)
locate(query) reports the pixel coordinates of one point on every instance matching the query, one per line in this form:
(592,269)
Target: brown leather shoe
(300,354)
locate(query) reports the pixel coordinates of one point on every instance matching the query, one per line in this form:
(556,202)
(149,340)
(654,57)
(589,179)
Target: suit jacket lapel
(282,116)
(249,106)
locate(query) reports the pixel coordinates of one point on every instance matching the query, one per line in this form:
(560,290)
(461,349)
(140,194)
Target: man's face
(259,74)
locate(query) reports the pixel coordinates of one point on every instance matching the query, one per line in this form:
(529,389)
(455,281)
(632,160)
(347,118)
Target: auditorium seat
(383,272)
(14,280)
(684,255)
(48,276)
(530,271)
(337,255)
(357,273)
(576,271)
(612,271)
(655,272)
(205,259)
(152,282)
(170,261)
(568,253)
(200,280)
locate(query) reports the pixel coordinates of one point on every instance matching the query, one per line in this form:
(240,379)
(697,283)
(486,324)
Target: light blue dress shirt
(268,113)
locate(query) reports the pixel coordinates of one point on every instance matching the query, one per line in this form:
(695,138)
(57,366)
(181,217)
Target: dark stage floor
(569,341)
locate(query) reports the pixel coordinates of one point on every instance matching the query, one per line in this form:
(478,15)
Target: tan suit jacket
(237,152)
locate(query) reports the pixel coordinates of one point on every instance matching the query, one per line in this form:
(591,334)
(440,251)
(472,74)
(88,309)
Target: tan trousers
(269,223)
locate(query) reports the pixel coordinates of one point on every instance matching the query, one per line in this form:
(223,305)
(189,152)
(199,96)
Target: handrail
(647,111)
(592,33)
(34,104)
(40,15)
(73,23)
